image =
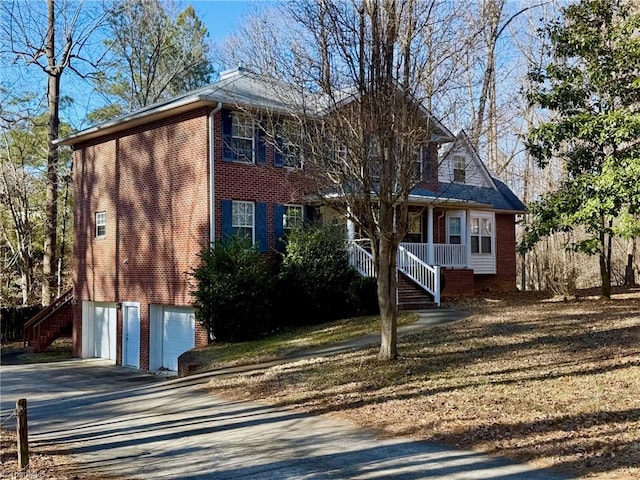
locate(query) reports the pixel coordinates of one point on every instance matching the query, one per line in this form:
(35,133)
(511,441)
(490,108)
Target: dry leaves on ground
(554,381)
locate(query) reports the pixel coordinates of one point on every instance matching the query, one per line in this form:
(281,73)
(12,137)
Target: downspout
(212,158)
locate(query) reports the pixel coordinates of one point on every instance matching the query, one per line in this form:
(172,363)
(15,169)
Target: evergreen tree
(154,56)
(591,88)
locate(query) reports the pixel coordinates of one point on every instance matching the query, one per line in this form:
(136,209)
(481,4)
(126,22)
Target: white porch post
(430,255)
(351,228)
(467,241)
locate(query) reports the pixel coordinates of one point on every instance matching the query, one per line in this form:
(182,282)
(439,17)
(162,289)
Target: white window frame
(459,169)
(240,219)
(292,154)
(476,223)
(299,219)
(450,233)
(101,223)
(241,125)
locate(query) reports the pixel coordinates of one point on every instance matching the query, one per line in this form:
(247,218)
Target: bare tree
(32,38)
(356,77)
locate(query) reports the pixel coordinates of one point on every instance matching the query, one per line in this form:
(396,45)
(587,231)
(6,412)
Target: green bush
(363,293)
(232,296)
(315,275)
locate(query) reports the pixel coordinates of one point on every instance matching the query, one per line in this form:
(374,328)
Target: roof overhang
(141,117)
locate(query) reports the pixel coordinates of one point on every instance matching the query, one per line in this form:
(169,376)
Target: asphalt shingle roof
(501,199)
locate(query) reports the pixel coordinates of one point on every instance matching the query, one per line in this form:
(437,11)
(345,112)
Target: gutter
(137,118)
(212,183)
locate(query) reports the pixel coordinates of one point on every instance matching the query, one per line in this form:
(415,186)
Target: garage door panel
(105,332)
(178,335)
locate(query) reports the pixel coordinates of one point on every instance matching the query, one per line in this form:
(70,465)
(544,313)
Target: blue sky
(221,17)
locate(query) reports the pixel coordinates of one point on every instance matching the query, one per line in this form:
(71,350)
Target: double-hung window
(459,169)
(481,235)
(242,220)
(101,224)
(374,160)
(292,217)
(291,145)
(455,230)
(242,135)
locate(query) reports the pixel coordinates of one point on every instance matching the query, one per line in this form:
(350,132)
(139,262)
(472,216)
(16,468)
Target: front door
(131,334)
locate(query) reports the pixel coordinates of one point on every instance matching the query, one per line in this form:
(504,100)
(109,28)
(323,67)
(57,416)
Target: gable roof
(238,87)
(499,198)
(462,140)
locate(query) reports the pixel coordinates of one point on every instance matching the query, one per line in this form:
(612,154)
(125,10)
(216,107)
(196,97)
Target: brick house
(153,187)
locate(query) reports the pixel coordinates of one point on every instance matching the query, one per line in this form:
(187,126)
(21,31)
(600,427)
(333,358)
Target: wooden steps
(51,323)
(411,296)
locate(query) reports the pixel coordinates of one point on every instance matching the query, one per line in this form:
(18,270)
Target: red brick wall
(505,278)
(153,184)
(458,282)
(254,183)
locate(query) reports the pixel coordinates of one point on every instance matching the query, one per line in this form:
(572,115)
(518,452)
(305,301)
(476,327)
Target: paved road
(133,425)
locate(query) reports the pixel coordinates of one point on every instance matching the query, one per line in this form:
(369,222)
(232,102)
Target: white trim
(253,218)
(125,331)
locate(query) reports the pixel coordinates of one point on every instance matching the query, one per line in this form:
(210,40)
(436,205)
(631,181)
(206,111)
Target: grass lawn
(218,355)
(555,382)
(16,353)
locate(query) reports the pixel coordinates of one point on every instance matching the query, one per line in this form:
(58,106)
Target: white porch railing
(444,254)
(426,276)
(361,260)
(448,255)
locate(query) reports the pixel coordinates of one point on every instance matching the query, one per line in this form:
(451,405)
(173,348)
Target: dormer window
(459,169)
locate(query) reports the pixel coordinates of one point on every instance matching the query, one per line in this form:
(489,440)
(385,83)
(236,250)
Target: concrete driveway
(127,424)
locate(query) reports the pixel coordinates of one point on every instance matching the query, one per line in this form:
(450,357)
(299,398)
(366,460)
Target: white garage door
(104,331)
(178,335)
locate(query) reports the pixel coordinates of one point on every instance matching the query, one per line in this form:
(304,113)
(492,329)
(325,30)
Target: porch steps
(51,323)
(411,296)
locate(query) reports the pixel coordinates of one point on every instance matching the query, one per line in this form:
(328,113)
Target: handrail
(426,276)
(361,260)
(44,314)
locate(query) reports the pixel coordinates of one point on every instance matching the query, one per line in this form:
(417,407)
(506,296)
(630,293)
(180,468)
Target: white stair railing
(361,260)
(426,276)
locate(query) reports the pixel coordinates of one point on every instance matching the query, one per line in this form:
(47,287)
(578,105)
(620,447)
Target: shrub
(363,293)
(315,276)
(233,291)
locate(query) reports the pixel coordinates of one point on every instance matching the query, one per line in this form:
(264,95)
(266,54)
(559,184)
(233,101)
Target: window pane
(243,148)
(415,224)
(475,244)
(455,239)
(455,226)
(292,217)
(486,244)
(486,226)
(101,224)
(475,226)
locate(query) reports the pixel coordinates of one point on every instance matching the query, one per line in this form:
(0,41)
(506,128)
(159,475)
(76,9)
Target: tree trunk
(51,207)
(629,273)
(387,287)
(605,264)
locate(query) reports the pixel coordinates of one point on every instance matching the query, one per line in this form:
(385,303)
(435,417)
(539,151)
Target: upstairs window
(481,235)
(242,220)
(291,145)
(459,169)
(101,224)
(374,160)
(423,166)
(242,137)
